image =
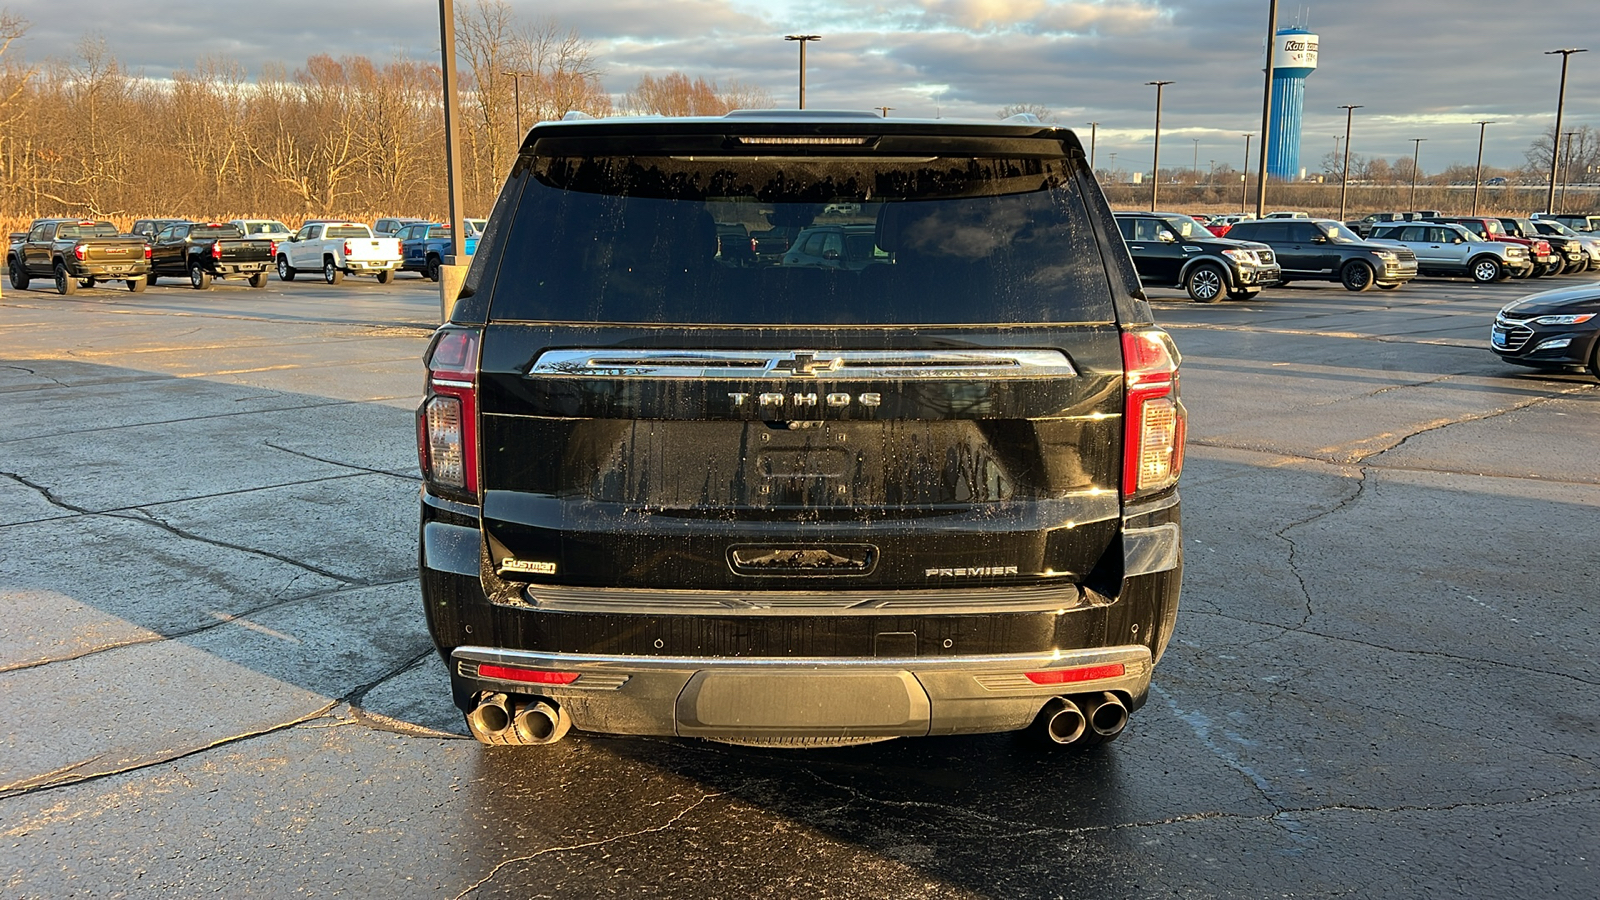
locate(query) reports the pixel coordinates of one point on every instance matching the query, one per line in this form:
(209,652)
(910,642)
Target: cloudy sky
(1420,68)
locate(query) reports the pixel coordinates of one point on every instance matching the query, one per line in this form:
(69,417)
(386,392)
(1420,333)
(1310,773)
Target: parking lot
(216,678)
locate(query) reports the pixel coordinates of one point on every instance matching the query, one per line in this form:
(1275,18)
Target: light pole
(452,162)
(1266,110)
(516,95)
(1244,178)
(884,110)
(1196,167)
(1094,127)
(803,39)
(1416,164)
(1566,172)
(1155,167)
(1555,140)
(1344,180)
(1477,178)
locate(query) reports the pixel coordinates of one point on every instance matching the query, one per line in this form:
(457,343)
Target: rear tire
(430,269)
(65,285)
(258,280)
(137,285)
(19,275)
(385,276)
(331,273)
(1205,283)
(1487,270)
(1357,276)
(199,278)
(285,271)
(151,279)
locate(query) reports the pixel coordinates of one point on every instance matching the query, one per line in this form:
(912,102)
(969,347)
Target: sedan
(1556,330)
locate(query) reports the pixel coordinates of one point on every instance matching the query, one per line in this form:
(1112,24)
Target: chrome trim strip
(747,364)
(1133,655)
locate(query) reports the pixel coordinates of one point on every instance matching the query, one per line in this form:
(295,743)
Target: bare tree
(1044,113)
(674,94)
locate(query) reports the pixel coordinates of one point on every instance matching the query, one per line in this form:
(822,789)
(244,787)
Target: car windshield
(1338,234)
(1186,227)
(1557,227)
(954,240)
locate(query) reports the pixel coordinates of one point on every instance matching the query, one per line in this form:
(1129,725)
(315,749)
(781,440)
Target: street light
(1561,102)
(1344,180)
(1477,179)
(1155,168)
(1196,167)
(516,94)
(884,110)
(1266,110)
(1416,164)
(1566,172)
(452,161)
(1093,128)
(1244,179)
(802,38)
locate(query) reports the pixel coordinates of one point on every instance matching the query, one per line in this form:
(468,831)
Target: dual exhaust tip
(510,719)
(1083,719)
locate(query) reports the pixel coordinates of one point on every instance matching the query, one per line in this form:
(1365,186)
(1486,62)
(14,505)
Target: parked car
(149,228)
(835,247)
(1583,224)
(1568,250)
(1555,330)
(1364,225)
(1287,214)
(424,246)
(77,252)
(1170,250)
(1325,250)
(201,252)
(794,506)
(338,249)
(1489,228)
(1589,242)
(388,227)
(1448,250)
(271,229)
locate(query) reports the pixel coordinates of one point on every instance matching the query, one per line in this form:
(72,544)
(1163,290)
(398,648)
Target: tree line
(334,137)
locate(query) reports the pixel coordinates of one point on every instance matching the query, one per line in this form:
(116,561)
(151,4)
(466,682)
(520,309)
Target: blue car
(424,245)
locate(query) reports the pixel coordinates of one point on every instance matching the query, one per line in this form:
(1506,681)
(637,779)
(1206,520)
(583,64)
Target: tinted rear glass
(960,240)
(213,232)
(348,231)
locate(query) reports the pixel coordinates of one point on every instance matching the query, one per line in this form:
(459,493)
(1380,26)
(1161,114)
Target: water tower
(1294,56)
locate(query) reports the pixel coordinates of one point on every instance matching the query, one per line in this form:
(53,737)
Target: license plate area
(803,703)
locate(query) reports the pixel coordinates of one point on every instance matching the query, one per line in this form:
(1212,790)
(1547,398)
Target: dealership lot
(215,676)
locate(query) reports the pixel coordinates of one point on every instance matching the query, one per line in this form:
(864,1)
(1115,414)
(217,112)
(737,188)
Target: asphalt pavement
(215,676)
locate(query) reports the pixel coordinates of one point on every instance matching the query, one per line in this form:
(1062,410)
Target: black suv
(1172,250)
(1325,250)
(800,503)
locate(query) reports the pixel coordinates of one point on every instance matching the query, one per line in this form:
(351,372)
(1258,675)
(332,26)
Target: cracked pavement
(215,676)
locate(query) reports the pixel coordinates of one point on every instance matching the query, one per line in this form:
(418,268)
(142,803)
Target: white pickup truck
(338,249)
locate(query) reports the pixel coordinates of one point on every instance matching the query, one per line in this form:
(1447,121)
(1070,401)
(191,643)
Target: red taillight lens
(216,249)
(80,251)
(447,422)
(146,251)
(274,249)
(1073,676)
(527,676)
(1153,419)
(347,250)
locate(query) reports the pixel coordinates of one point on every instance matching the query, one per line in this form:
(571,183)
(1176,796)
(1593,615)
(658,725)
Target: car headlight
(1244,256)
(1385,255)
(1573,319)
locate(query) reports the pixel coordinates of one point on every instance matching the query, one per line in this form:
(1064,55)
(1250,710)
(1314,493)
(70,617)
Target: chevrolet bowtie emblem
(804,364)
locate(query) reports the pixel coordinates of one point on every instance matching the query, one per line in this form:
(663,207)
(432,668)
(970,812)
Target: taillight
(274,249)
(216,249)
(1082,673)
(447,422)
(1153,418)
(347,250)
(146,251)
(80,251)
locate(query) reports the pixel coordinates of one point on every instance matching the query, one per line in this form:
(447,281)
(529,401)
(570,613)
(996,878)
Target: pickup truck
(338,249)
(424,245)
(73,251)
(201,252)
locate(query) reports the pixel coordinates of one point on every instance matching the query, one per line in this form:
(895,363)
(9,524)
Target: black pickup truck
(201,252)
(804,503)
(78,252)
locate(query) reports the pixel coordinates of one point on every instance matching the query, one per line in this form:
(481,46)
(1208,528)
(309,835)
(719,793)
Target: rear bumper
(371,265)
(111,271)
(773,698)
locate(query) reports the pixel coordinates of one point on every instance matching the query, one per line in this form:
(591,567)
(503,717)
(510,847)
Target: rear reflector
(1074,676)
(527,676)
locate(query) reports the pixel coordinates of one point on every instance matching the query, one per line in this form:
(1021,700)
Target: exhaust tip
(1063,721)
(491,717)
(540,722)
(1106,714)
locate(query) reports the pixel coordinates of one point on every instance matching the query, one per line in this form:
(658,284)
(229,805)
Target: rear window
(348,231)
(931,240)
(214,232)
(101,229)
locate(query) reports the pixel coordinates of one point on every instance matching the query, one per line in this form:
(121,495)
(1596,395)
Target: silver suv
(1449,250)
